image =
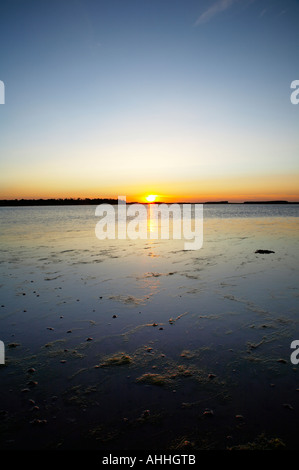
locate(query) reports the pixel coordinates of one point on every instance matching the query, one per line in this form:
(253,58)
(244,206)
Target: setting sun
(151,198)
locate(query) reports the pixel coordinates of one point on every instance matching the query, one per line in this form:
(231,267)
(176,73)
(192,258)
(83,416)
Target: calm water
(116,327)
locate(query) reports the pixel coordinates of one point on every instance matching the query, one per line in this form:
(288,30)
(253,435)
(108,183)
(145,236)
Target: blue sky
(176,97)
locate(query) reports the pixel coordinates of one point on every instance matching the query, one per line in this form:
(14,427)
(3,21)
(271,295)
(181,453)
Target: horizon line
(102,200)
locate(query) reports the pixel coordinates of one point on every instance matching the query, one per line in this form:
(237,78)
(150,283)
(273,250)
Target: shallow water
(171,331)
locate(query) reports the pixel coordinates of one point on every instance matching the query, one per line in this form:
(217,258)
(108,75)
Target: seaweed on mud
(69,353)
(79,396)
(154,379)
(104,434)
(134,330)
(173,320)
(195,353)
(101,434)
(186,354)
(127,299)
(261,443)
(51,344)
(173,373)
(251,346)
(187,443)
(222,397)
(118,359)
(84,369)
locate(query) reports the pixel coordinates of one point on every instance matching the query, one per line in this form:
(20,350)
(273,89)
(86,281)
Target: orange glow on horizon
(233,189)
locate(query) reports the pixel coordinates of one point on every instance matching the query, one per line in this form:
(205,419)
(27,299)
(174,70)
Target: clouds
(215,9)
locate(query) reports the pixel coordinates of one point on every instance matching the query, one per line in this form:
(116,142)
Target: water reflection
(222,312)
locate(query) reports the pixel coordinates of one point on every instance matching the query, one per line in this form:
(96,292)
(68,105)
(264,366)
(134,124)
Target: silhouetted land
(87,201)
(269,202)
(56,202)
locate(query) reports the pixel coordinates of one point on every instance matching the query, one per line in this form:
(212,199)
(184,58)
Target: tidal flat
(140,344)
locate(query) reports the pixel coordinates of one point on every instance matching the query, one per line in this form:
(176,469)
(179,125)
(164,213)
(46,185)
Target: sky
(188,100)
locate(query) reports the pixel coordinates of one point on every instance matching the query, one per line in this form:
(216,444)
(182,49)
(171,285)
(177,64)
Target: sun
(151,198)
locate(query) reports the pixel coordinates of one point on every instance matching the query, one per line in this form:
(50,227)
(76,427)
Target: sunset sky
(188,100)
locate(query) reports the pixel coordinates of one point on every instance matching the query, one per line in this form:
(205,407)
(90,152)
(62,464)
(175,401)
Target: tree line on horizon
(96,201)
(56,202)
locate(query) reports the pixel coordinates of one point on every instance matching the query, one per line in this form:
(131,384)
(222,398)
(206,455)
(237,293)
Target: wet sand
(121,344)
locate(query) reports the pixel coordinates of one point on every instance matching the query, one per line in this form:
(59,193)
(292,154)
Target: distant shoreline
(87,201)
